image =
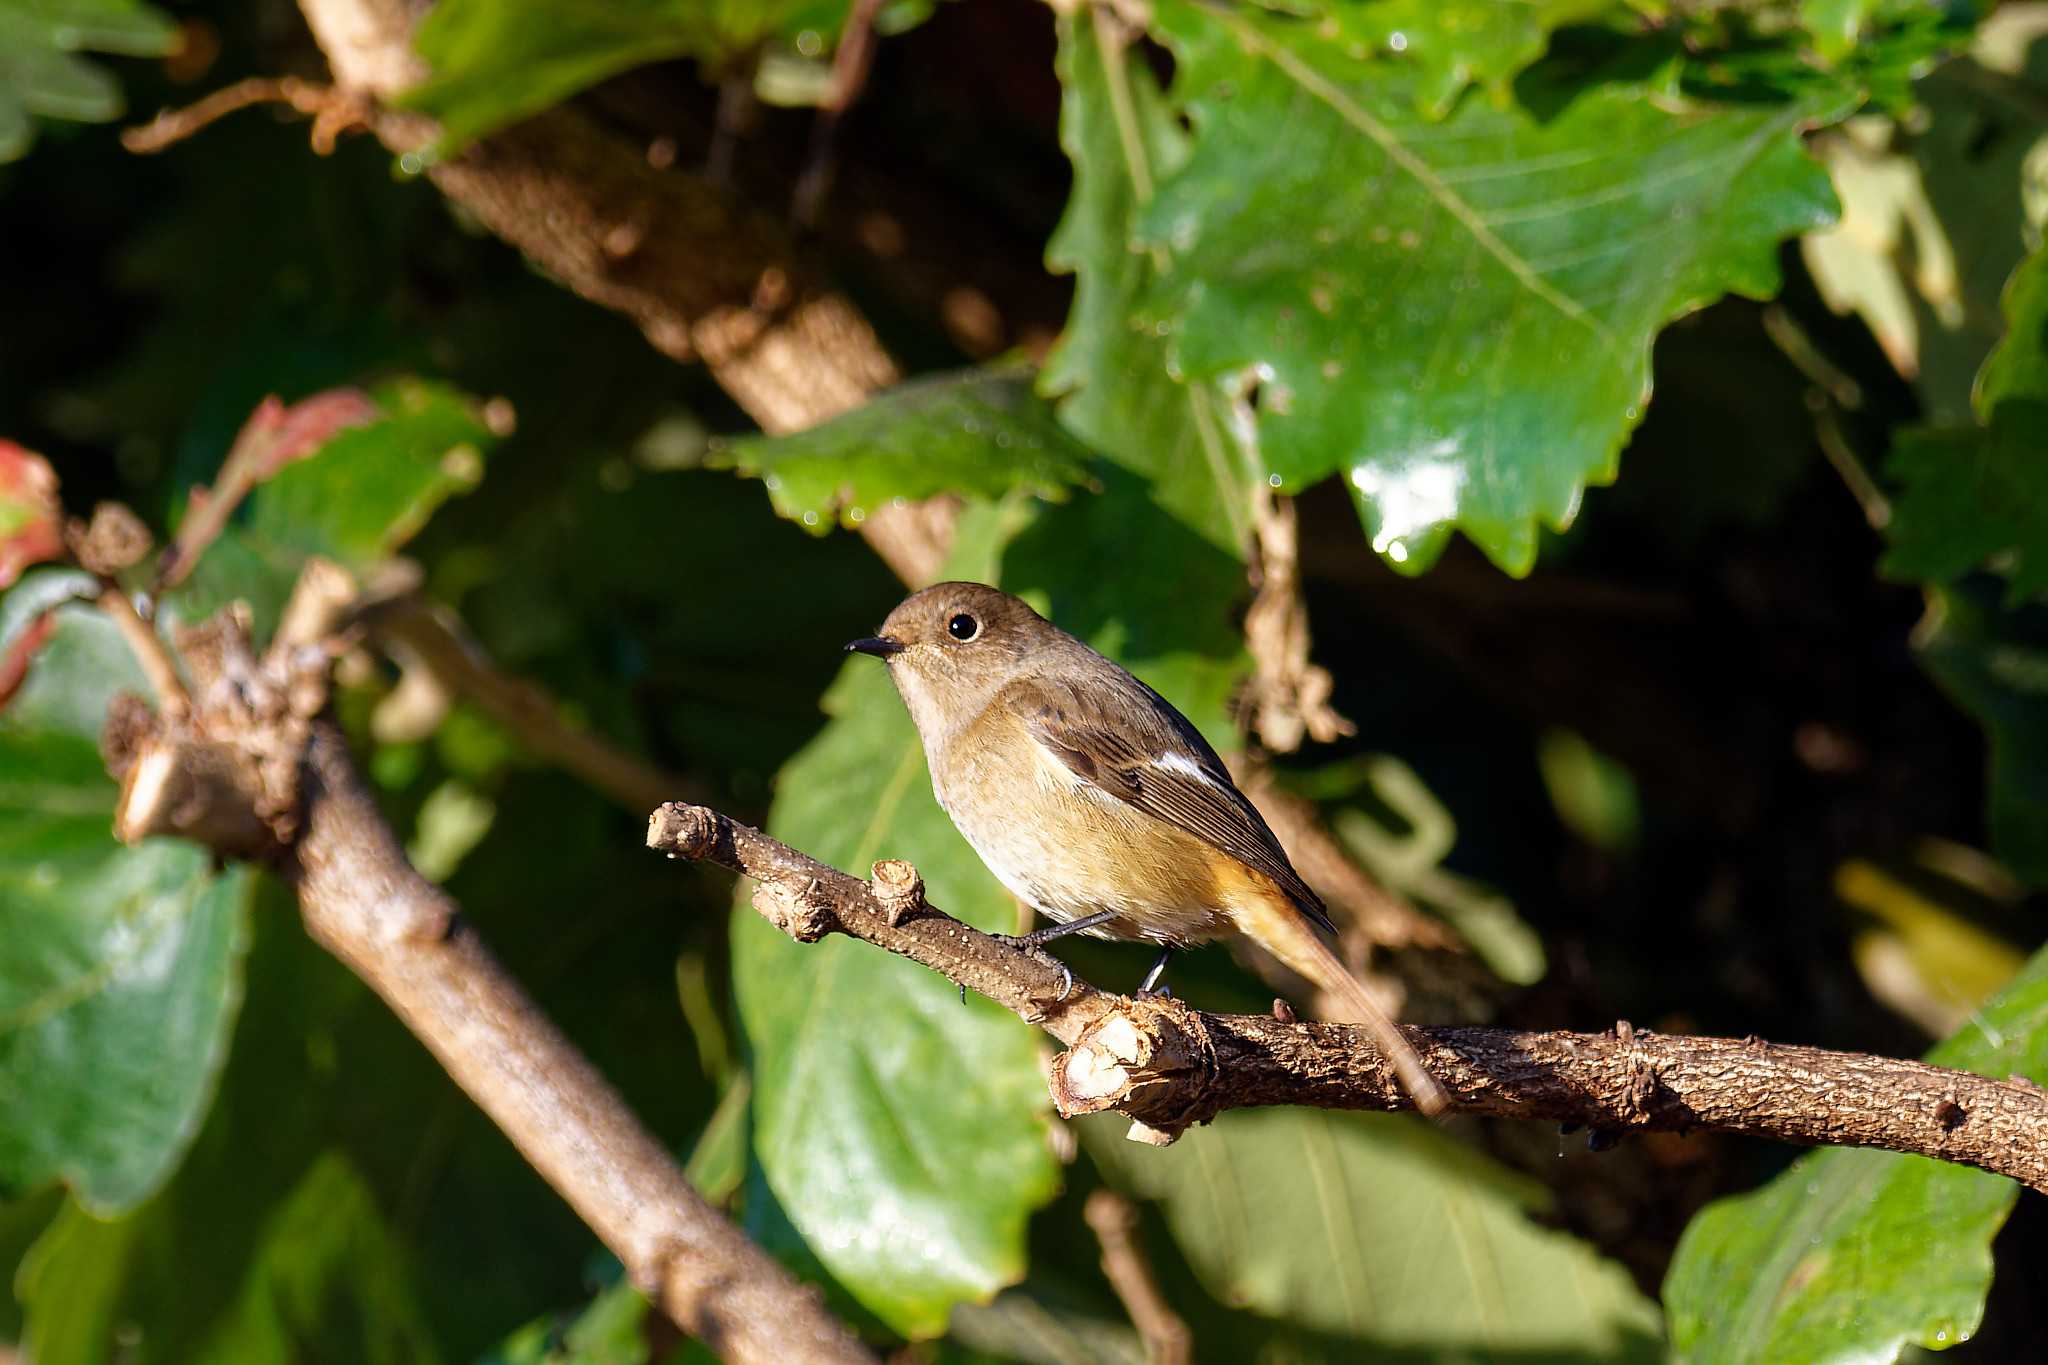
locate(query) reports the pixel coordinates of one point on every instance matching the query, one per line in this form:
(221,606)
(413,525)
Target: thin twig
(147,646)
(1834,443)
(175,125)
(1168,1067)
(1115,1222)
(850,66)
(424,634)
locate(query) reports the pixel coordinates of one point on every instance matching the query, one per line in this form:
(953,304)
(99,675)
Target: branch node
(802,912)
(899,890)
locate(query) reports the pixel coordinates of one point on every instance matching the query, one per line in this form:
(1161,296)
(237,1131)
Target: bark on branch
(702,275)
(1167,1066)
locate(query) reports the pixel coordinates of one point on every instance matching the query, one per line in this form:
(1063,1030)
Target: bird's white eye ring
(963,627)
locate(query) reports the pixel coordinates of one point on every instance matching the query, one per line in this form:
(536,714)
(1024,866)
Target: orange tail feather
(1283,931)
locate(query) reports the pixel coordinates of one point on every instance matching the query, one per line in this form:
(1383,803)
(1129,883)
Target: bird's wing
(1153,758)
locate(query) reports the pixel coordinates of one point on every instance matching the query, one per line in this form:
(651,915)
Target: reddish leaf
(29,513)
(276,435)
(14,663)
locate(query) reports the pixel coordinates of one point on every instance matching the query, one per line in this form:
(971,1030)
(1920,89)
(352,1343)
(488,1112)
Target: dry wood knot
(803,910)
(1150,1059)
(898,889)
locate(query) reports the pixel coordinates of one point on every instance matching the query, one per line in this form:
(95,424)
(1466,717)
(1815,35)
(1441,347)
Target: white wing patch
(1185,766)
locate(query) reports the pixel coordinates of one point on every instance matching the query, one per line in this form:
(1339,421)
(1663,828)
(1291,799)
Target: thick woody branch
(702,275)
(252,767)
(1167,1066)
(364,902)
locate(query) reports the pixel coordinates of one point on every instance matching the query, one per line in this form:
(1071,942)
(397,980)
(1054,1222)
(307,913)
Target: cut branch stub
(1151,1059)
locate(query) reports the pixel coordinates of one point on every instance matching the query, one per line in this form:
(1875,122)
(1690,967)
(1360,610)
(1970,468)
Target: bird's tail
(1285,933)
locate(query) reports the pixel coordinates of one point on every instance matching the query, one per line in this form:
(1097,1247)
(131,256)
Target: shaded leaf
(1995,665)
(1978,495)
(1971,499)
(609,1330)
(328,1272)
(1381,1229)
(1852,1254)
(974,433)
(1462,324)
(30,515)
(39,73)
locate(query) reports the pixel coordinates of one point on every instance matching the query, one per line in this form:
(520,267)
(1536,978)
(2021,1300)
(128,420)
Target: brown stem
(1115,1222)
(1167,1066)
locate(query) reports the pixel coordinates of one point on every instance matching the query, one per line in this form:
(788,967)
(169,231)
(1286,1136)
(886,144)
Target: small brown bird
(1098,804)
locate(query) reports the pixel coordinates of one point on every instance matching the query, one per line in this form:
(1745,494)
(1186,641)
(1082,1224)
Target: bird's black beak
(881,646)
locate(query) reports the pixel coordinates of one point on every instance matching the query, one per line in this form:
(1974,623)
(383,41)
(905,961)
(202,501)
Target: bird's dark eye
(963,627)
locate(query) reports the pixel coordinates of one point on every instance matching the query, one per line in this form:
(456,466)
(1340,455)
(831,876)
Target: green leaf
(325,1275)
(371,488)
(1973,498)
(901,1132)
(609,1331)
(494,63)
(1111,376)
(1995,665)
(976,433)
(40,75)
(1456,43)
(1456,315)
(1381,1229)
(119,967)
(1978,495)
(1853,1254)
(327,1272)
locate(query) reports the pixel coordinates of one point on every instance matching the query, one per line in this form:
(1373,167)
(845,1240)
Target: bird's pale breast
(1069,849)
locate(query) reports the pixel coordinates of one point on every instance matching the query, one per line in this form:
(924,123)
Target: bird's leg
(1038,938)
(1151,980)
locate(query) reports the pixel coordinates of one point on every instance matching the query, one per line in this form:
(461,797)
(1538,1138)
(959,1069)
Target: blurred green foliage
(1431,268)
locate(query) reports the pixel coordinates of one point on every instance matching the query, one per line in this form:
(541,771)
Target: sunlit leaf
(1853,1254)
(973,433)
(1457,315)
(493,64)
(1455,43)
(119,967)
(1109,373)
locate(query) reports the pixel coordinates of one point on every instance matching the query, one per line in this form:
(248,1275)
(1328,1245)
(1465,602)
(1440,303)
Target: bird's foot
(1033,946)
